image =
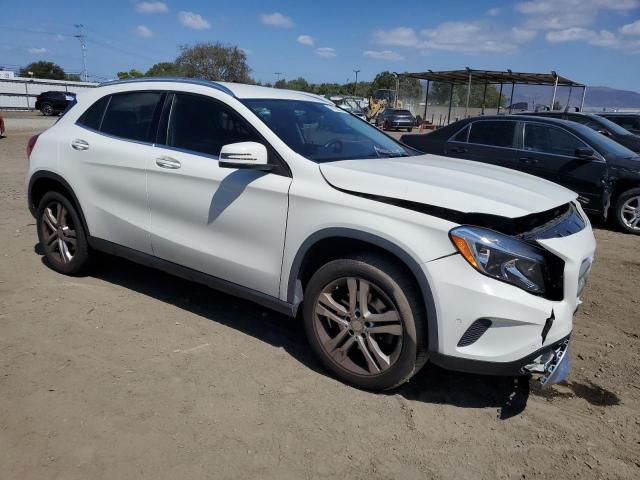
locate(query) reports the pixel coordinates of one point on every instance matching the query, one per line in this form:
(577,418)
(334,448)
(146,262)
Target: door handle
(79,144)
(168,162)
(529,160)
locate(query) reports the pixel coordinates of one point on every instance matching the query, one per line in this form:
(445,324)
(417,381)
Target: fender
(294,288)
(46,174)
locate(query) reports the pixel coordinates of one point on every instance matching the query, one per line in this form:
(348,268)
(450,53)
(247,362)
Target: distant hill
(597,97)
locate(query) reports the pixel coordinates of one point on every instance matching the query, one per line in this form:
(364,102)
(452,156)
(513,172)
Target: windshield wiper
(388,153)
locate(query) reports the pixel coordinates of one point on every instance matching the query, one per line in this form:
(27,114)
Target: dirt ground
(130,373)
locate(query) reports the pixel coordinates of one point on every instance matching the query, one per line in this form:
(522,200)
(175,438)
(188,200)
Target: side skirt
(224,286)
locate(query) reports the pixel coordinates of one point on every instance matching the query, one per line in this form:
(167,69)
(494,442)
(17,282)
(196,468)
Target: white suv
(392,258)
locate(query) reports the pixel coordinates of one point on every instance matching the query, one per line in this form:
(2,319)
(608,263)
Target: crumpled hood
(462,185)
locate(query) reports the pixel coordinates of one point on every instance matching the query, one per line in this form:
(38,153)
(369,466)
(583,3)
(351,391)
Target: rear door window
(552,140)
(131,115)
(202,125)
(92,117)
(498,133)
(461,136)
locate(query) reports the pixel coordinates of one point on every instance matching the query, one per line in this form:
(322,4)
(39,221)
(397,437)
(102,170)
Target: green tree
(42,69)
(72,77)
(133,73)
(164,69)
(299,84)
(214,61)
(439,95)
(408,88)
(282,83)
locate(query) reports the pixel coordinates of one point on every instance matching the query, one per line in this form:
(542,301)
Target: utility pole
(81,36)
(355,87)
(277,74)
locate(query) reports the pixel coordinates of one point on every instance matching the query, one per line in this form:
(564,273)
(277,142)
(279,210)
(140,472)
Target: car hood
(461,185)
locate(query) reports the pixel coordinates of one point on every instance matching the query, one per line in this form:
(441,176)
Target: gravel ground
(131,373)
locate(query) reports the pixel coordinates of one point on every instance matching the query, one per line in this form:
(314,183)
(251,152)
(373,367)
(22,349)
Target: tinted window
(92,117)
(403,112)
(598,123)
(498,133)
(461,136)
(202,125)
(546,139)
(130,115)
(626,122)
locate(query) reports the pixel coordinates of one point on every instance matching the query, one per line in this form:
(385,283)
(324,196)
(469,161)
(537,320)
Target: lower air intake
(474,332)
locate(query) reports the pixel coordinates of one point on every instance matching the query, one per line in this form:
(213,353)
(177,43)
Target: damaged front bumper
(553,365)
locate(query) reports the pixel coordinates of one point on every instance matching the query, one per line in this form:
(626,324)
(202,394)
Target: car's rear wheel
(364,320)
(47,110)
(627,211)
(61,234)
(409,129)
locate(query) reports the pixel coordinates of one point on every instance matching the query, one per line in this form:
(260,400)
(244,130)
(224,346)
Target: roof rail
(193,81)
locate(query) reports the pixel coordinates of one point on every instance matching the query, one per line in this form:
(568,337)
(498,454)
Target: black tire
(78,252)
(385,126)
(399,288)
(47,110)
(619,214)
(410,129)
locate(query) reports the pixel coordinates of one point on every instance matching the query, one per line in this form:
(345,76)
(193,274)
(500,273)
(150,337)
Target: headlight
(502,257)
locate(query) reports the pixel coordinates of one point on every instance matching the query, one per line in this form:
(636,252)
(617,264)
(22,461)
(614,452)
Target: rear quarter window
(92,117)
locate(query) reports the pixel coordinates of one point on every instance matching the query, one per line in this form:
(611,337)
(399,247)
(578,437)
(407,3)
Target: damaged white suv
(391,257)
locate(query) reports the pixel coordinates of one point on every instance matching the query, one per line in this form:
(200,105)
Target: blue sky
(592,41)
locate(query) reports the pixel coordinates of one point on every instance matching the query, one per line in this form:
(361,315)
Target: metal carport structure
(493,77)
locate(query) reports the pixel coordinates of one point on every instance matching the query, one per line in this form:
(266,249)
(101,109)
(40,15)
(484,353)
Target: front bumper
(523,328)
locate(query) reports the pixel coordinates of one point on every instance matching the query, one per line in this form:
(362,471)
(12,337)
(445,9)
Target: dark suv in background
(54,102)
(597,123)
(605,174)
(393,118)
(628,121)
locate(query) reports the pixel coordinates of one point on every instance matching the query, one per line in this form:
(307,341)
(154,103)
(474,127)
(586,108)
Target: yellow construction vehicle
(380,100)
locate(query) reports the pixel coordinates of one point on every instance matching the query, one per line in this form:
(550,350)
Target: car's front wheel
(627,211)
(62,237)
(364,320)
(47,110)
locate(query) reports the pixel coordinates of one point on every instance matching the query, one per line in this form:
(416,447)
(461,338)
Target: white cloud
(326,52)
(306,40)
(569,35)
(560,15)
(383,55)
(37,50)
(399,37)
(193,21)
(494,12)
(276,20)
(631,28)
(143,31)
(152,7)
(474,37)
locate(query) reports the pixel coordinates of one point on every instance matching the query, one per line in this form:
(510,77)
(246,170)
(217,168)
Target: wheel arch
(331,243)
(45,181)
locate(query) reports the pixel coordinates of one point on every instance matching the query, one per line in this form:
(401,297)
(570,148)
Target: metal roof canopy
(494,77)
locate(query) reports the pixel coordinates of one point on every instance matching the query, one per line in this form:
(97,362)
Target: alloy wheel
(358,326)
(47,110)
(630,213)
(58,232)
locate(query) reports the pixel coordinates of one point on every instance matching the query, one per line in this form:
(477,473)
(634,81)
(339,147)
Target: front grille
(474,332)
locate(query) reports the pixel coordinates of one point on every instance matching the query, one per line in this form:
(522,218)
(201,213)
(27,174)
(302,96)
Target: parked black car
(54,102)
(597,123)
(605,174)
(393,118)
(628,121)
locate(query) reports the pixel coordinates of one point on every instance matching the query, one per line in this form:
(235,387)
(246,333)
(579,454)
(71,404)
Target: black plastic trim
(293,293)
(468,365)
(216,283)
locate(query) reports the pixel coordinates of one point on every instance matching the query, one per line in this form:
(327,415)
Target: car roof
(619,114)
(237,90)
(520,118)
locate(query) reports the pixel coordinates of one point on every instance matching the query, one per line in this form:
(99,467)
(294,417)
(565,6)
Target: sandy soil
(130,373)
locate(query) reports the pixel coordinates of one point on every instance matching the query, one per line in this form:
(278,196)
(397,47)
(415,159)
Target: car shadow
(431,385)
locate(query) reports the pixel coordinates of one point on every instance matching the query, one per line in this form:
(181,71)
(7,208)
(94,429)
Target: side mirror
(606,133)
(585,153)
(249,155)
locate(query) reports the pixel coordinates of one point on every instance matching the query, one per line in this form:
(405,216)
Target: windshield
(323,132)
(604,144)
(609,125)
